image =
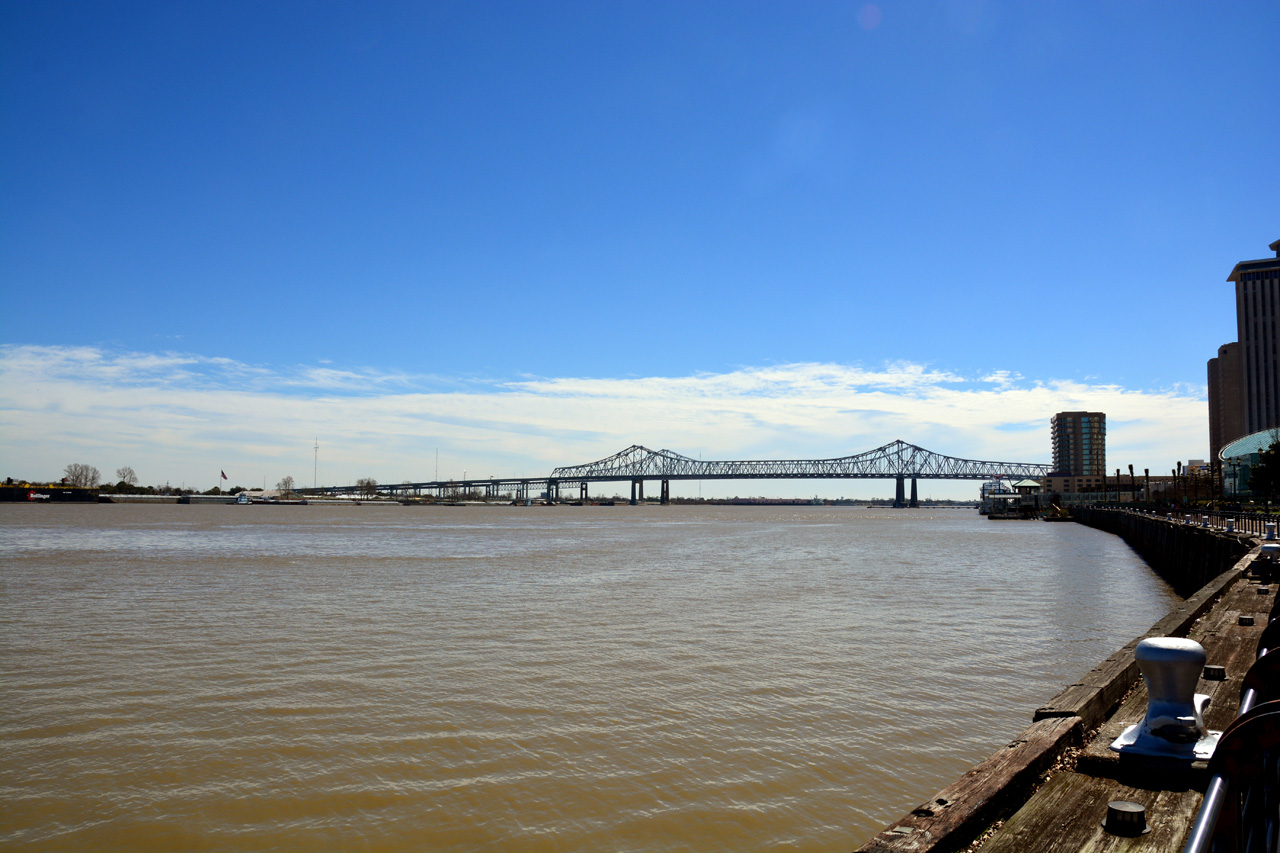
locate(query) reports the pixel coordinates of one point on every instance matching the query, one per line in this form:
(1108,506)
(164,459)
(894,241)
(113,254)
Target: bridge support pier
(636,484)
(915,501)
(583,492)
(666,492)
(899,495)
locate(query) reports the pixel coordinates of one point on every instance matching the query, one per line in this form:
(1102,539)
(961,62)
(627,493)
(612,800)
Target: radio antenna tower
(315,464)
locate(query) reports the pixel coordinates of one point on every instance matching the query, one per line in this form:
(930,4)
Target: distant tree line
(82,476)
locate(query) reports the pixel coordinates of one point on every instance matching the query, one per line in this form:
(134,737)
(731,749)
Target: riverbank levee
(1048,790)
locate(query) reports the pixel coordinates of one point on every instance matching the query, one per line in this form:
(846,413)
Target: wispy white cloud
(782,381)
(181,417)
(183,370)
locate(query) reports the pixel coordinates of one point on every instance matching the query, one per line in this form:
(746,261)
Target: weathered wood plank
(1094,696)
(1227,644)
(992,789)
(1180,620)
(1066,816)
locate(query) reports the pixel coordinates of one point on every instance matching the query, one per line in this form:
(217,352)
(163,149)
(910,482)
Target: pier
(1053,789)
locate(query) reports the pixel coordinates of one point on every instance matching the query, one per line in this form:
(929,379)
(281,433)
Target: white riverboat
(991,492)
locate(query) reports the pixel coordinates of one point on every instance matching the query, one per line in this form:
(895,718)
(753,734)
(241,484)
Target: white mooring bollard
(1174,724)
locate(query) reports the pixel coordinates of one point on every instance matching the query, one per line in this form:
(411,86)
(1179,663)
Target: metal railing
(1254,523)
(1241,808)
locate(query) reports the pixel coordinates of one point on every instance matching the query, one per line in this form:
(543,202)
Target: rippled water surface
(533,678)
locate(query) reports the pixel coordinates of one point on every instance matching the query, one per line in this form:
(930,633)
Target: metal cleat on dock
(1267,565)
(1174,724)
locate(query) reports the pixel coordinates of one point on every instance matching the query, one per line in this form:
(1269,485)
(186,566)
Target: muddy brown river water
(525,678)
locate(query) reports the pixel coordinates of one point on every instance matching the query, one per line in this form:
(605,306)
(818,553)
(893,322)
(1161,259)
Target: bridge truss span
(895,460)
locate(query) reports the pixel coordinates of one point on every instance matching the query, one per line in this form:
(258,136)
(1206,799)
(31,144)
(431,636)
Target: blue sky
(530,234)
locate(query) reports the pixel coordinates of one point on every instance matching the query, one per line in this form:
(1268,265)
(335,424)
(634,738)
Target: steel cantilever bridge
(897,461)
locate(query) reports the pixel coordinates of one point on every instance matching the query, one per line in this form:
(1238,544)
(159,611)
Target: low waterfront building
(1027,487)
(1067,490)
(1071,490)
(1065,483)
(1238,458)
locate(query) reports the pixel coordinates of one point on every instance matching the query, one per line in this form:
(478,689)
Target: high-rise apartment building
(1079,443)
(1257,317)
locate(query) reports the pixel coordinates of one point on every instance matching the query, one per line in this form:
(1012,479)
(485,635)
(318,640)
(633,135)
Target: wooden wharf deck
(1048,790)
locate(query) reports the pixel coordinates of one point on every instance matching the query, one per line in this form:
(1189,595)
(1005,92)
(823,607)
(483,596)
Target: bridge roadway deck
(523,485)
(1048,790)
(896,460)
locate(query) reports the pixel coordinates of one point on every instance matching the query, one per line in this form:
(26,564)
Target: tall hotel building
(1080,444)
(1244,379)
(1226,399)
(1257,313)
